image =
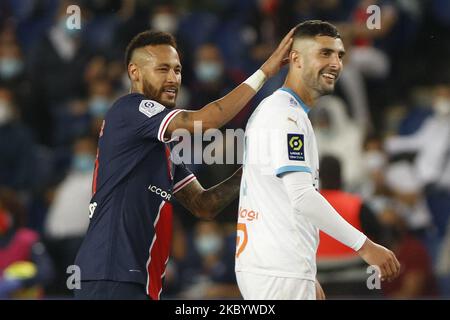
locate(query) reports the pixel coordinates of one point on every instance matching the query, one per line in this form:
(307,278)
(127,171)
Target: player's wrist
(365,247)
(256,80)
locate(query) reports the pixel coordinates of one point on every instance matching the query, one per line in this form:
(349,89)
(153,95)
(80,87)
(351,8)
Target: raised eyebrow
(166,65)
(340,52)
(326,50)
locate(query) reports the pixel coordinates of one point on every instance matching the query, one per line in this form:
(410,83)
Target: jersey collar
(292,93)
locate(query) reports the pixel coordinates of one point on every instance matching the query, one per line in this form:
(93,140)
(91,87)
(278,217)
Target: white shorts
(263,287)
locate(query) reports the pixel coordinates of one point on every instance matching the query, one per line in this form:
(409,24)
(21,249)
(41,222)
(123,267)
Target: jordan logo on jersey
(295,143)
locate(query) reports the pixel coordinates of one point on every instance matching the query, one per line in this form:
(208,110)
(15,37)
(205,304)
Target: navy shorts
(110,290)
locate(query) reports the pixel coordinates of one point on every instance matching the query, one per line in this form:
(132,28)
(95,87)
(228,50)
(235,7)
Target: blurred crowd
(384,136)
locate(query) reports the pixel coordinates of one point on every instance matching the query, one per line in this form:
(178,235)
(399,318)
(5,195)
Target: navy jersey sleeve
(182,177)
(147,118)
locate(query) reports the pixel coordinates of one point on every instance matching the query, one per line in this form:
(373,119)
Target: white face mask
(5,112)
(98,106)
(374,160)
(441,106)
(164,22)
(208,71)
(208,244)
(83,163)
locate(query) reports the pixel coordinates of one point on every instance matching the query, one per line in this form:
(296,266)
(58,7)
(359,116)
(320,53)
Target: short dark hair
(148,38)
(313,28)
(330,173)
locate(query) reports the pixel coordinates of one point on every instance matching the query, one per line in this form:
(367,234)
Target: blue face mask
(208,244)
(83,162)
(10,67)
(208,71)
(98,106)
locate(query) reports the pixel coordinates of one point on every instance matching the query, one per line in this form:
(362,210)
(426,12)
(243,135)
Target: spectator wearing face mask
(374,189)
(208,267)
(65,226)
(432,160)
(83,115)
(213,79)
(164,17)
(100,99)
(56,62)
(431,146)
(339,135)
(11,62)
(13,70)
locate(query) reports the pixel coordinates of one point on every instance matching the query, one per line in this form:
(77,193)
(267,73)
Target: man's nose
(336,63)
(171,76)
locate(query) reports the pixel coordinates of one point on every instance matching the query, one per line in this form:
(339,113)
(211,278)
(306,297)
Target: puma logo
(294,121)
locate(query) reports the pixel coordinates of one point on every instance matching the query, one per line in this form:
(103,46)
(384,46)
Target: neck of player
(308,96)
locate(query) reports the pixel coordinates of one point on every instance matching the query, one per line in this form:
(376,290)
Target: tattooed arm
(208,203)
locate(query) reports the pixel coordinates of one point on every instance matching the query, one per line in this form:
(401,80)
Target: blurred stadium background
(388,126)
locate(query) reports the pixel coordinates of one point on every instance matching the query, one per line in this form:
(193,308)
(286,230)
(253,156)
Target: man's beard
(324,89)
(152,93)
(318,87)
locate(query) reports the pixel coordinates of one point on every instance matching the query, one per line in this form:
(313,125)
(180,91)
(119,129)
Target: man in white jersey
(280,209)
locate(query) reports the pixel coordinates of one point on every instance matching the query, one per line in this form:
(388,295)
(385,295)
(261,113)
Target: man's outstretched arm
(313,206)
(221,111)
(208,203)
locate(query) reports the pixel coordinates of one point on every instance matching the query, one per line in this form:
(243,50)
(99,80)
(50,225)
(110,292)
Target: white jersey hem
(280,274)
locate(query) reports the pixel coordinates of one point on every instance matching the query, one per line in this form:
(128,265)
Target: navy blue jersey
(130,231)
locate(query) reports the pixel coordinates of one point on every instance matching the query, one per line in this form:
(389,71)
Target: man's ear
(295,58)
(133,72)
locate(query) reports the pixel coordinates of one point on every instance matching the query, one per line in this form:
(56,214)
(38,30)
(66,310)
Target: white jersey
(272,239)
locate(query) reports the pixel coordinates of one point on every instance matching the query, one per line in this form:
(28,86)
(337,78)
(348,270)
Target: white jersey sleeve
(289,143)
(311,204)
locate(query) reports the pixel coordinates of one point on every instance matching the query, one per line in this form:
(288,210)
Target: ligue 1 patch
(150,108)
(296,146)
